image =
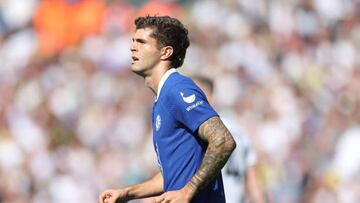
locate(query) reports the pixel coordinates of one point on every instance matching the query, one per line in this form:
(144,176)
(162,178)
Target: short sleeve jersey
(181,107)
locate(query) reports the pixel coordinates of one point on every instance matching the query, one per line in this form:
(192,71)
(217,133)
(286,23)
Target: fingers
(104,196)
(110,200)
(160,199)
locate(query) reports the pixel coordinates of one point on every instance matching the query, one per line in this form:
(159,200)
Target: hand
(178,196)
(114,196)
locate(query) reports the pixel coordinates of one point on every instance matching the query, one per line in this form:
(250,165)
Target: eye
(141,41)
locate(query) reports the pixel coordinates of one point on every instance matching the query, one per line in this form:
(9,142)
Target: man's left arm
(220,146)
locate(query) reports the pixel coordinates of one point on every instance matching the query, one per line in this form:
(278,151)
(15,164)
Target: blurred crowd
(74,120)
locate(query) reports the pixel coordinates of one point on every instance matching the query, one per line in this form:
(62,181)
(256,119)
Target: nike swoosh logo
(188,99)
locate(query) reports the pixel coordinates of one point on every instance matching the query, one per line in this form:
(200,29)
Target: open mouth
(134,58)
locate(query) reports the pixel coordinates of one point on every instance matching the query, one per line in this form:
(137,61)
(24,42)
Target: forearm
(220,146)
(253,186)
(150,188)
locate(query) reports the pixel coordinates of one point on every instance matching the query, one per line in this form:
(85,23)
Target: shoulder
(179,80)
(182,88)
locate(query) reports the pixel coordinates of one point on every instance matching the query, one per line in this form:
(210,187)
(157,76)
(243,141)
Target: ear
(166,52)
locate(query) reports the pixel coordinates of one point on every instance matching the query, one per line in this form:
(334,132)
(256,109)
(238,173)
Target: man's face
(145,54)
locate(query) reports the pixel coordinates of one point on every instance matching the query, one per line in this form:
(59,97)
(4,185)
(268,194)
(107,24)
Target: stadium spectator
(239,174)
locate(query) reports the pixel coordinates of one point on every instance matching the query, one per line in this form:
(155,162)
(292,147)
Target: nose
(133,47)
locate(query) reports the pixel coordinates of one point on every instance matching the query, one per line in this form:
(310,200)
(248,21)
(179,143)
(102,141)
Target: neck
(152,80)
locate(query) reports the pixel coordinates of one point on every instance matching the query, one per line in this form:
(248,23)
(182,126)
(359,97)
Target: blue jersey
(181,107)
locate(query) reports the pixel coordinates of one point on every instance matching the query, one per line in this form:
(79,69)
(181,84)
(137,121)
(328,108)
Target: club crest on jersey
(158,122)
(189,99)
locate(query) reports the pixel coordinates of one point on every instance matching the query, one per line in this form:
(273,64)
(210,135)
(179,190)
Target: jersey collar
(162,81)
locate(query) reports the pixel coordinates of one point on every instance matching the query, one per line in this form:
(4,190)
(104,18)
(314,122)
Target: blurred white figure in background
(239,175)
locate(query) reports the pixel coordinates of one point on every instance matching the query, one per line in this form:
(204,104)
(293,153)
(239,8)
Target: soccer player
(239,175)
(191,142)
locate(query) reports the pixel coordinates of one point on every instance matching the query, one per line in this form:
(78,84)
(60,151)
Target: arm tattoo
(221,144)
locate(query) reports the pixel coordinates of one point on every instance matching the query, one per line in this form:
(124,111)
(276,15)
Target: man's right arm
(150,188)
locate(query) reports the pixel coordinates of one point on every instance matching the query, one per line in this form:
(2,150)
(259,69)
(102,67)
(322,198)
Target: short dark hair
(168,31)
